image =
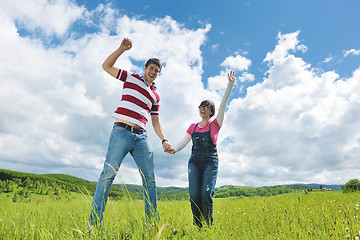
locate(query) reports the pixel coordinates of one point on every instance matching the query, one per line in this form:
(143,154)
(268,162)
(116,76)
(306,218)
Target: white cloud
(231,63)
(328,59)
(295,126)
(56,103)
(246,77)
(218,83)
(351,52)
(237,63)
(286,43)
(52,17)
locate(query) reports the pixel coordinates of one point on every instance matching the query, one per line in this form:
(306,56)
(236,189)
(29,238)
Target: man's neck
(148,83)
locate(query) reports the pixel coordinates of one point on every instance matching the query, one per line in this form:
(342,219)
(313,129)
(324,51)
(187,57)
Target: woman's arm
(221,113)
(182,143)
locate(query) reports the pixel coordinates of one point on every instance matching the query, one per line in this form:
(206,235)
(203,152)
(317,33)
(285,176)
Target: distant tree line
(23,188)
(22,185)
(234,191)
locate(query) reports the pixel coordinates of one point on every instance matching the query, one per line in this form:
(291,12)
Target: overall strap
(194,129)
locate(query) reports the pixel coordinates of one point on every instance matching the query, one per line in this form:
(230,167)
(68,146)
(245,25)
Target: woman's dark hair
(210,104)
(153,61)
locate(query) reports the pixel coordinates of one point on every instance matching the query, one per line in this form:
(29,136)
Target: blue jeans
(202,180)
(122,142)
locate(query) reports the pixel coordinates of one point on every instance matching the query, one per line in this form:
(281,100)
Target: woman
(203,163)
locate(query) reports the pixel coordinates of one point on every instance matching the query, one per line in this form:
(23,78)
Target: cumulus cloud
(286,43)
(246,77)
(237,63)
(294,125)
(231,63)
(351,52)
(52,17)
(57,102)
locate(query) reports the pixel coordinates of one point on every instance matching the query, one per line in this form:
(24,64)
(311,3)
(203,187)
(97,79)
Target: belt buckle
(132,129)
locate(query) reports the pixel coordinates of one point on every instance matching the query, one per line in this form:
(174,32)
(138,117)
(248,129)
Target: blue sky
(327,27)
(292,116)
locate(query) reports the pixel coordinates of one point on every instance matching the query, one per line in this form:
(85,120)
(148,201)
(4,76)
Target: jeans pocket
(118,129)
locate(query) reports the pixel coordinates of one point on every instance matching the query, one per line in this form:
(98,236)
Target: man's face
(151,72)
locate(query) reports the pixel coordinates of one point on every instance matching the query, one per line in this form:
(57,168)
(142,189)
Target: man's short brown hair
(153,61)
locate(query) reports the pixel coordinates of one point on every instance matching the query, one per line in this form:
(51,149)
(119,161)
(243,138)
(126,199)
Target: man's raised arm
(109,63)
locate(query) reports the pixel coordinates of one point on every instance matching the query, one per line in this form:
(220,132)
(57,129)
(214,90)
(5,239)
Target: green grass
(317,215)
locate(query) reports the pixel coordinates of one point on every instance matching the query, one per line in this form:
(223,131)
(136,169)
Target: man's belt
(130,128)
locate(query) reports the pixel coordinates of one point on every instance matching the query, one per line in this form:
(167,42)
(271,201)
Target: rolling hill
(71,183)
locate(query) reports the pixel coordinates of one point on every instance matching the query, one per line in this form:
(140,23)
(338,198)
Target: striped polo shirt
(137,100)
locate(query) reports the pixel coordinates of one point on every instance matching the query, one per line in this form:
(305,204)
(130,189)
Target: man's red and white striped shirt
(137,100)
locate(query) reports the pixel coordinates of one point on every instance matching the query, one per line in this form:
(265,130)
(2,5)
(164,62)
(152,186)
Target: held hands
(168,147)
(232,76)
(126,44)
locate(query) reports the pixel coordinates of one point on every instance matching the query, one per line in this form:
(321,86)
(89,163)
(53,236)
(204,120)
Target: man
(139,98)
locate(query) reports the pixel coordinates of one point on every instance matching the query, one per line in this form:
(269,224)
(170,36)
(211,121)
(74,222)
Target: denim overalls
(203,170)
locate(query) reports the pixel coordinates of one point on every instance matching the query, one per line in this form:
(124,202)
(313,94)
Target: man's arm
(158,130)
(108,64)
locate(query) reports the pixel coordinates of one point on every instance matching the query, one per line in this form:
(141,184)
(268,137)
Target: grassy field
(316,215)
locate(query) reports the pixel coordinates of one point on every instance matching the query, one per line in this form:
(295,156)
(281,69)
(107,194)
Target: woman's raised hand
(232,76)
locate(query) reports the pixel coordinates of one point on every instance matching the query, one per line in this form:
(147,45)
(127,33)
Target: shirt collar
(152,86)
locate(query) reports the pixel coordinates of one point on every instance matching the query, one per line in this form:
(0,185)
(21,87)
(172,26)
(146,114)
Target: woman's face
(205,111)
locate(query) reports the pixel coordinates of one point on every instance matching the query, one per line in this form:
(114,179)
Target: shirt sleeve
(155,109)
(215,128)
(122,75)
(191,129)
